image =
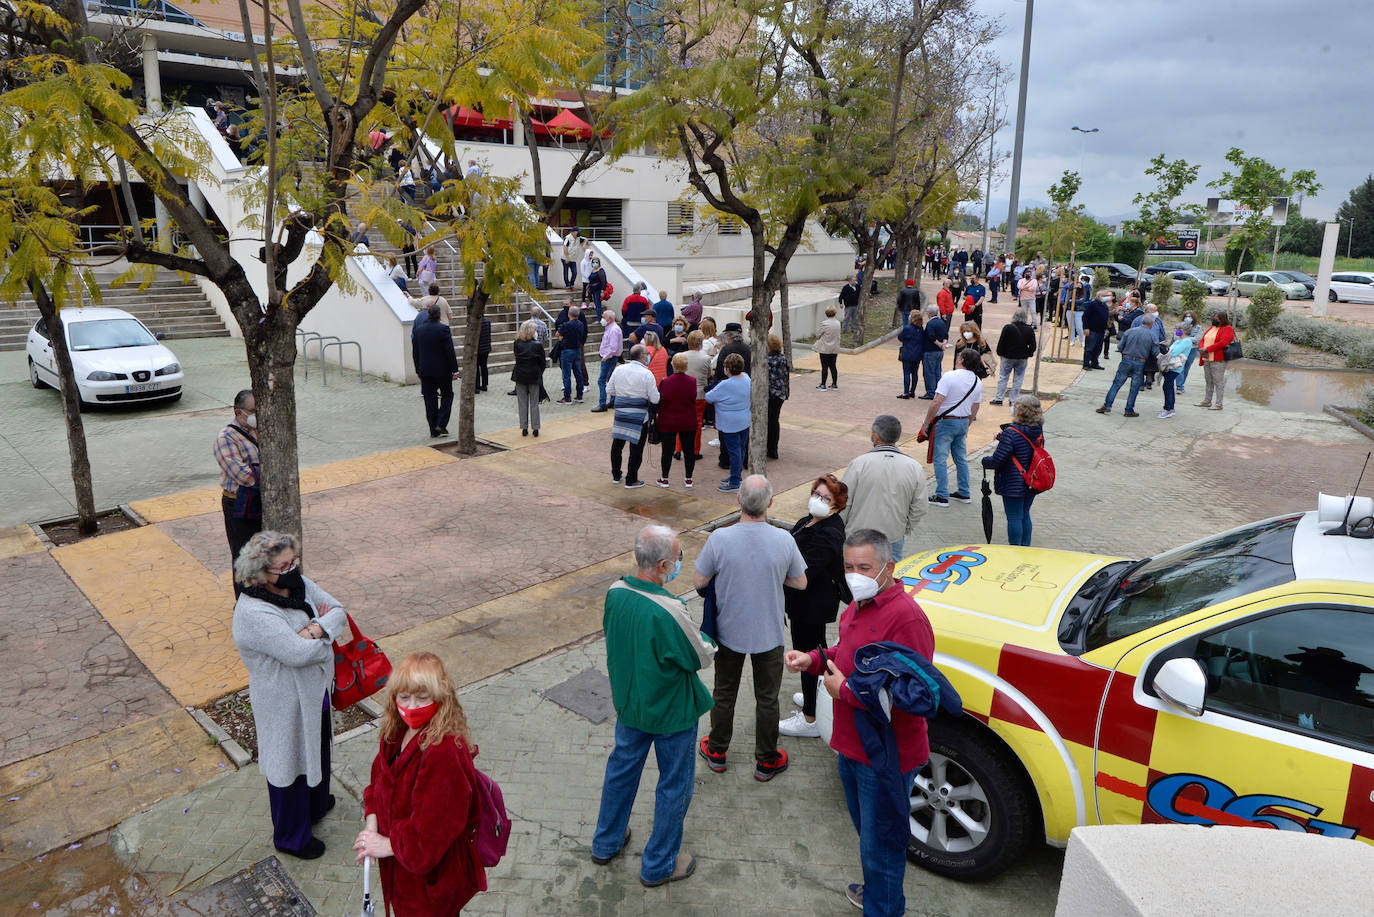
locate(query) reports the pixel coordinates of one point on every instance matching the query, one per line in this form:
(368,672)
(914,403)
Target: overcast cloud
(1287,80)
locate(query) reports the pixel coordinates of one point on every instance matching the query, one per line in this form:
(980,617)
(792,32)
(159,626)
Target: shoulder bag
(929,432)
(361,669)
(1233,351)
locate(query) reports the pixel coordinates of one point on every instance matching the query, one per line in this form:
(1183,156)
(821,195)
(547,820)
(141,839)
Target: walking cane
(367,888)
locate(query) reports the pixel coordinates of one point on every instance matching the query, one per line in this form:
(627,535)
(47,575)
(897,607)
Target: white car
(1214,286)
(115,358)
(1352,286)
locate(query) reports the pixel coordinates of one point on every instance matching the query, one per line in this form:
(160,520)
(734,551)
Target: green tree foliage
(1102,280)
(1302,235)
(1128,250)
(1238,259)
(1161,291)
(1158,213)
(1266,304)
(1359,205)
(1194,295)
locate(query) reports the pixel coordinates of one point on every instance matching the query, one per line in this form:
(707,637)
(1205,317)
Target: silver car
(1251,281)
(1214,286)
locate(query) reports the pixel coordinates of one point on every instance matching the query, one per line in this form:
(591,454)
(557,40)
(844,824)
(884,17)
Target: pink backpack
(491,835)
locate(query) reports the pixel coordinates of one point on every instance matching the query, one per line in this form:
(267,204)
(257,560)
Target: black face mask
(291,580)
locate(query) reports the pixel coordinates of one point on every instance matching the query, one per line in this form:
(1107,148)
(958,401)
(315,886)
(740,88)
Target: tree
(1301,235)
(1254,184)
(1157,212)
(80,120)
(771,109)
(1359,206)
(1063,233)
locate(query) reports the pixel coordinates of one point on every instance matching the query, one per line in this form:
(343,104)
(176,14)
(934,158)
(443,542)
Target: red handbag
(361,669)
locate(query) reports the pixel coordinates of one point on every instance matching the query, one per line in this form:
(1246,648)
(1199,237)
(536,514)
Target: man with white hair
(633,389)
(747,564)
(654,650)
(612,343)
(1137,346)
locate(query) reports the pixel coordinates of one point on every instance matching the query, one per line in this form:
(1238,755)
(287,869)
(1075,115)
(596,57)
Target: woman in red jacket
(420,804)
(677,419)
(1212,348)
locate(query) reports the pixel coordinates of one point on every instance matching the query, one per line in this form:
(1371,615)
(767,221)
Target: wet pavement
(496,561)
(1286,388)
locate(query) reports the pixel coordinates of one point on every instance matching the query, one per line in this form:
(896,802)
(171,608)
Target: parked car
(1165,267)
(1122,276)
(1214,286)
(1307,280)
(1228,681)
(1351,286)
(115,358)
(1251,281)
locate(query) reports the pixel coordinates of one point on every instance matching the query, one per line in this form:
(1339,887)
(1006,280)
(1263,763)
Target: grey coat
(288,676)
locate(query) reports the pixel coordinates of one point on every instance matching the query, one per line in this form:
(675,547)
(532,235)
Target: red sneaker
(714,760)
(767,770)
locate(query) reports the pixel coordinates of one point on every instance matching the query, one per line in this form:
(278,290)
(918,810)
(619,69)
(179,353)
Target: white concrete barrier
(1157,870)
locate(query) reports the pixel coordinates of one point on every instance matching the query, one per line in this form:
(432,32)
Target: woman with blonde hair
(970,335)
(528,375)
(658,356)
(710,343)
(420,807)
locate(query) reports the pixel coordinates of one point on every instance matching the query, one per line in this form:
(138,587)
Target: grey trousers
(527,398)
(1214,372)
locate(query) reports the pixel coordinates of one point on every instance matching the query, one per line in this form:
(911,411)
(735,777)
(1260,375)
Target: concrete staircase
(503,331)
(168,306)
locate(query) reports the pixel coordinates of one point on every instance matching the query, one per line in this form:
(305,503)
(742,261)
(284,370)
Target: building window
(681,218)
(729,224)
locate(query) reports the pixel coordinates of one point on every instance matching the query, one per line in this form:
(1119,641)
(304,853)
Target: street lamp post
(1020,128)
(1349,235)
(1083,146)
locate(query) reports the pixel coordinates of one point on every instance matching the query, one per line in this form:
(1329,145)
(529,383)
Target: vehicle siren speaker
(1333,509)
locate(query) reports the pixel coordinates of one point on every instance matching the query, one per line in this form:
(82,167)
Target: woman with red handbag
(284,628)
(420,807)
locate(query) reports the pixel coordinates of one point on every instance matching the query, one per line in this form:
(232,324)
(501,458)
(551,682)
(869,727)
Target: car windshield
(1299,276)
(1185,579)
(107,334)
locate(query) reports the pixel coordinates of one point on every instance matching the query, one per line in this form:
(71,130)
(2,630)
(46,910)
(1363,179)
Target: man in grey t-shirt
(749,562)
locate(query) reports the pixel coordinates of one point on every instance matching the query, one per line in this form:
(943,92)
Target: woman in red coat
(1212,356)
(420,805)
(678,419)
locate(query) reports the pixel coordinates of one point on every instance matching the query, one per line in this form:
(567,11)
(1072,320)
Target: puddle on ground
(1286,388)
(79,883)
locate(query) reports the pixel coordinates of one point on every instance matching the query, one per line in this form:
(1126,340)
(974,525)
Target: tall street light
(1083,146)
(992,138)
(1349,235)
(1020,128)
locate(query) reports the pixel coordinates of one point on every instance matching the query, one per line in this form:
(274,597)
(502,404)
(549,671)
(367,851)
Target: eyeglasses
(822,497)
(285,566)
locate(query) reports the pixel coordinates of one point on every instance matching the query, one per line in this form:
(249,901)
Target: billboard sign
(1183,242)
(1221,212)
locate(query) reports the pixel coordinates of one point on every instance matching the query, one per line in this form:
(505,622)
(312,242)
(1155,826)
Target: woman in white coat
(284,628)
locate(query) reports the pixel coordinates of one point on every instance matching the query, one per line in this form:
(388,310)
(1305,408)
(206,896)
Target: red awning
(462,116)
(569,124)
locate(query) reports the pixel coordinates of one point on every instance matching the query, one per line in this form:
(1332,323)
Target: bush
(1128,250)
(1366,406)
(1160,292)
(1204,316)
(1101,279)
(1361,356)
(1231,264)
(1194,294)
(1266,304)
(1354,343)
(1270,350)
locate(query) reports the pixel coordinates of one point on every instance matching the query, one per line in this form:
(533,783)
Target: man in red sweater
(881,611)
(944,300)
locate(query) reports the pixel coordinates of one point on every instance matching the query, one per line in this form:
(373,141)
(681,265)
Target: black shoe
(931,398)
(723,467)
(939,501)
(772,455)
(697,457)
(524,432)
(434,434)
(311,851)
(536,433)
(511,392)
(443,431)
(329,807)
(995,401)
(962,498)
(677,455)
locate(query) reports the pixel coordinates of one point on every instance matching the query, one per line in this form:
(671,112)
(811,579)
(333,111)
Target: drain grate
(262,890)
(588,694)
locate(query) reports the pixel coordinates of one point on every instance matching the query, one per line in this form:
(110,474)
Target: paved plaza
(499,564)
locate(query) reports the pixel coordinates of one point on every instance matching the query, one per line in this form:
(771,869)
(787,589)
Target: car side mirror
(160,336)
(1182,684)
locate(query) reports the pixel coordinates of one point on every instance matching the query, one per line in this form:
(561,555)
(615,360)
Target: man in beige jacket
(887,487)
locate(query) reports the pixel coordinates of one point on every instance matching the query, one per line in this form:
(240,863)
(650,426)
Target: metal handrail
(306,337)
(324,346)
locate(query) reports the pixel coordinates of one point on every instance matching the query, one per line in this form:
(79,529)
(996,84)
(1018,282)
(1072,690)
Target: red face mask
(417,717)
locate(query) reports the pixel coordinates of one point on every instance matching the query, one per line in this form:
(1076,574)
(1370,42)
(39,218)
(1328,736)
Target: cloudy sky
(1286,80)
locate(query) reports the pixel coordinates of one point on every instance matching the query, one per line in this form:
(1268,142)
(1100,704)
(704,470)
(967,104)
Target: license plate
(143,387)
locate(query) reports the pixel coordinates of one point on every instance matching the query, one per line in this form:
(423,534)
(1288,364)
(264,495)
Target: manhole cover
(587,694)
(262,890)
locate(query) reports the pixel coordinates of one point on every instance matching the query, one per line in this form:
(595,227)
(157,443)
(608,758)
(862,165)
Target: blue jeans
(734,447)
(1018,519)
(884,864)
(676,755)
(1183,373)
(911,372)
(607,367)
(571,362)
(1170,380)
(897,547)
(1130,368)
(951,434)
(930,362)
(1075,327)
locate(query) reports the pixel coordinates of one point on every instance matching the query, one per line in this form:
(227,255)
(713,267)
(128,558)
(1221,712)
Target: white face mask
(861,587)
(968,335)
(818,507)
(251,420)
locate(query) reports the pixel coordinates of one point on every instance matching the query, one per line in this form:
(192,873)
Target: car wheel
(971,812)
(34,377)
(1330,295)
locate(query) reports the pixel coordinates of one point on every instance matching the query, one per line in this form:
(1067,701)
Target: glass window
(41,326)
(108,334)
(1310,670)
(1185,579)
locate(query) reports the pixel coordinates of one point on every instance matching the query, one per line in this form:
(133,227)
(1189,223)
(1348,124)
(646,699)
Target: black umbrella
(987,507)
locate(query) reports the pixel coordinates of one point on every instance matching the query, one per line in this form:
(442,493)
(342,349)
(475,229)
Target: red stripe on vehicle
(1065,688)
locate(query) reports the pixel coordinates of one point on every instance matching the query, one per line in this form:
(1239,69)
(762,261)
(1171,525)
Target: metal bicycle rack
(326,343)
(303,339)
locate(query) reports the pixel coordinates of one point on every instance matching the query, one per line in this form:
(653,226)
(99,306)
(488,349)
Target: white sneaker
(1165,415)
(713,443)
(798,699)
(796,725)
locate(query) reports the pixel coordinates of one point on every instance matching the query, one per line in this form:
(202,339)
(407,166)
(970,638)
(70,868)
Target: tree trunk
(71,412)
(271,366)
(786,319)
(467,389)
(760,299)
(871,261)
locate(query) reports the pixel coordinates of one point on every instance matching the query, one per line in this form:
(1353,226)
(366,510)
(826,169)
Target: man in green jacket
(653,652)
